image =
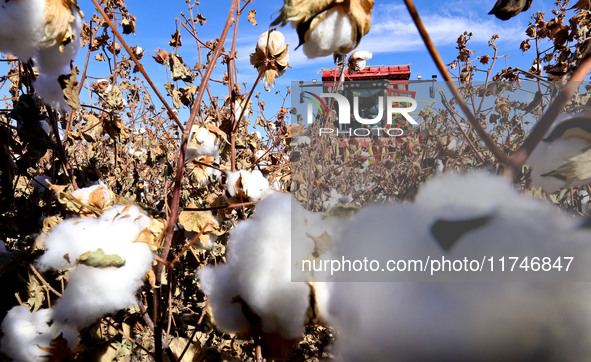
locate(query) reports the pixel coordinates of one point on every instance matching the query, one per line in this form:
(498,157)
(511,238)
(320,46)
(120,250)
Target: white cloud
(393,30)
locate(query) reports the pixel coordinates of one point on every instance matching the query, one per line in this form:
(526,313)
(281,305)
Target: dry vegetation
(122,131)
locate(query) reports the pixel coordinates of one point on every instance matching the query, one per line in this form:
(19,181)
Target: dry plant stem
(150,324)
(179,174)
(232,95)
(472,146)
(45,283)
(241,204)
(548,118)
(61,152)
(171,264)
(137,63)
(443,70)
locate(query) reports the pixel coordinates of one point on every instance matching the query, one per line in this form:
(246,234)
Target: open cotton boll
(92,291)
(333,34)
(56,59)
(258,270)
(252,185)
(567,138)
(220,284)
(483,321)
(113,232)
(202,142)
(22,27)
(24,332)
(358,59)
(48,88)
(461,322)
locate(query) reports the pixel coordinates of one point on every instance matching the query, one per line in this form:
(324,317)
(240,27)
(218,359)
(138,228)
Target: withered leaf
(69,85)
(98,259)
(178,69)
(251,14)
(196,220)
(174,94)
(94,128)
(176,40)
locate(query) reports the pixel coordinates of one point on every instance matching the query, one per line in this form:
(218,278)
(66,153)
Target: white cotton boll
(22,27)
(258,269)
(83,194)
(221,286)
(202,143)
(274,43)
(362,55)
(358,59)
(93,292)
(300,141)
(260,252)
(486,321)
(263,159)
(25,331)
(254,184)
(547,157)
(50,90)
(333,34)
(52,60)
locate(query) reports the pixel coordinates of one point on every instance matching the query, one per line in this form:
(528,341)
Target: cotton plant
(253,291)
(327,27)
(271,57)
(247,184)
(563,158)
(106,257)
(47,31)
(203,147)
(457,216)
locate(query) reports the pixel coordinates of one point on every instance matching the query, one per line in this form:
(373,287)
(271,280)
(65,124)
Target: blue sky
(393,38)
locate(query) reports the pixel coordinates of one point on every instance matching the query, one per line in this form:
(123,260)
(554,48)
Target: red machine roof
(397,72)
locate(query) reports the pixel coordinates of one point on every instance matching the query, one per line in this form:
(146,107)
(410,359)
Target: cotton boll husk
(22,27)
(333,34)
(25,331)
(484,321)
(52,60)
(49,89)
